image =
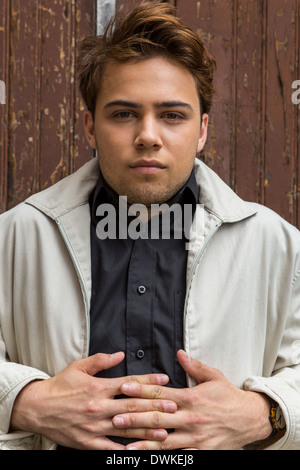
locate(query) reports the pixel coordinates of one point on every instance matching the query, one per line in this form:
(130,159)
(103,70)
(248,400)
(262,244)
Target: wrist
(256,416)
(277,426)
(23,416)
(264,428)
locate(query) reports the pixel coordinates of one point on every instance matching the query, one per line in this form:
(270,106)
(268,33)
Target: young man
(196,333)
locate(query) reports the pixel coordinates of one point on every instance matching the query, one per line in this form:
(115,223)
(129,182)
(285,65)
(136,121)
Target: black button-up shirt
(138,292)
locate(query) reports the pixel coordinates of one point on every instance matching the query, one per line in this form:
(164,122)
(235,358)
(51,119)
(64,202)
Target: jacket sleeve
(13,374)
(284,384)
(13,377)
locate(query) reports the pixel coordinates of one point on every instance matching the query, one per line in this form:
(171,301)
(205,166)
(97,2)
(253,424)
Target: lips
(148,164)
(147,167)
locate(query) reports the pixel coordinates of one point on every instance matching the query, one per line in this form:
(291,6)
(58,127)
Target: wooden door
(41,137)
(254,125)
(253,142)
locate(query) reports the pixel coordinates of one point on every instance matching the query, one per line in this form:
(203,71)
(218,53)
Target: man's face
(147,129)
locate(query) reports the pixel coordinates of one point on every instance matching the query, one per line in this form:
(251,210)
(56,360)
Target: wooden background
(254,126)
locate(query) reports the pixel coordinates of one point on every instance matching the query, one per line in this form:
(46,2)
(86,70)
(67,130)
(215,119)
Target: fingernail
(170,407)
(116,354)
(118,421)
(162,378)
(186,355)
(126,387)
(159,435)
(131,448)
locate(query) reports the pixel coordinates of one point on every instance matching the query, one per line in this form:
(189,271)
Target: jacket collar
(75,190)
(218,198)
(69,193)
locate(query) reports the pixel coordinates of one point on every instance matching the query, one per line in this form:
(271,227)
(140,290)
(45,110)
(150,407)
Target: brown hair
(151,29)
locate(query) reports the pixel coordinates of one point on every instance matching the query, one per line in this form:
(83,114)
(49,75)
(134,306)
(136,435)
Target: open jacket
(242,307)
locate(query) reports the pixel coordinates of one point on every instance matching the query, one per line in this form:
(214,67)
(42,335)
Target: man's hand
(214,415)
(75,409)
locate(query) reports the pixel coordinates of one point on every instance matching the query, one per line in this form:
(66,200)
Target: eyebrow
(163,104)
(129,104)
(173,104)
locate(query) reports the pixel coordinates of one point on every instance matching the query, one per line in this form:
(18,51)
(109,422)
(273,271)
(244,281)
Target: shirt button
(140,354)
(141,290)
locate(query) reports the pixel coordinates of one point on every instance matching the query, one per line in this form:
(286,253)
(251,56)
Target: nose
(148,134)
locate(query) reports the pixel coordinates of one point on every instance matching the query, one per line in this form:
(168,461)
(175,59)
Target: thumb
(100,361)
(196,369)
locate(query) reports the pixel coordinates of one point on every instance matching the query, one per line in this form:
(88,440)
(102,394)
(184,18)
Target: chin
(147,197)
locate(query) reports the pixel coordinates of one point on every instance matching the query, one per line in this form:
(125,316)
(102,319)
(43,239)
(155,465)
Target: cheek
(109,147)
(186,140)
(185,151)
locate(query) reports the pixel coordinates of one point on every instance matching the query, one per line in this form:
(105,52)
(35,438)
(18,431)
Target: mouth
(147,167)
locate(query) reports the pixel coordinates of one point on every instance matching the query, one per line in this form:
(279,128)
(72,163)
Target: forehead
(155,79)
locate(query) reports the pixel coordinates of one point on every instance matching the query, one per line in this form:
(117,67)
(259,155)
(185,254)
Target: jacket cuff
(289,401)
(13,378)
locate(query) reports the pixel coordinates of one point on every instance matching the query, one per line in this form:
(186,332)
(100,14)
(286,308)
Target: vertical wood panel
(24,98)
(4,116)
(85,23)
(41,126)
(281,160)
(57,80)
(204,18)
(250,104)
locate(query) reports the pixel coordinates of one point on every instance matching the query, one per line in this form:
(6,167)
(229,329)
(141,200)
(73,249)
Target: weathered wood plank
(4,116)
(249,105)
(204,18)
(281,160)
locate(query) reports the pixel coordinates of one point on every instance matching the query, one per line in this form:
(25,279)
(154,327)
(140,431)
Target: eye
(173,116)
(123,115)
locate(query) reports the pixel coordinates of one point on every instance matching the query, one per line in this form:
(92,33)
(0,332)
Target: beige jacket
(242,309)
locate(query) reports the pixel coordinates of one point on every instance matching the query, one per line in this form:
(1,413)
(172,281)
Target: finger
(155,379)
(133,433)
(103,443)
(141,433)
(97,440)
(114,385)
(115,407)
(138,390)
(148,419)
(100,361)
(201,372)
(133,405)
(175,440)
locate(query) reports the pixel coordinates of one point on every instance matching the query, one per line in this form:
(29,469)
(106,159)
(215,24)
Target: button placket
(139,315)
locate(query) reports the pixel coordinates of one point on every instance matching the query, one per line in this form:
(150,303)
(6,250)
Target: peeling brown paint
(253,139)
(42,133)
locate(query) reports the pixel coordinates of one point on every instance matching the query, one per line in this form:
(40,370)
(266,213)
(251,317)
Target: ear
(89,128)
(203,133)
